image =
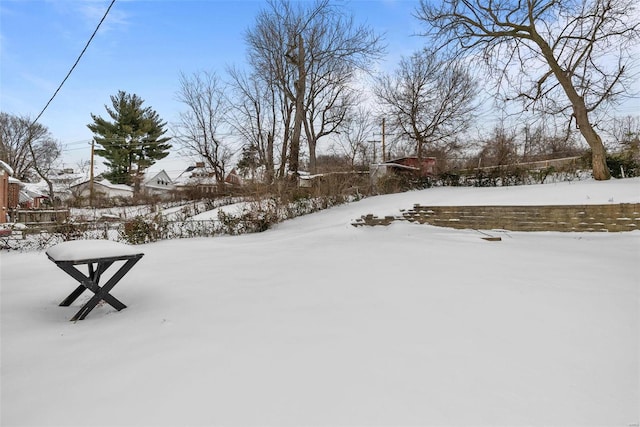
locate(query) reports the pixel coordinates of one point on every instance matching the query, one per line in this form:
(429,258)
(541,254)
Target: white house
(159,184)
(101,188)
(198,178)
(203,179)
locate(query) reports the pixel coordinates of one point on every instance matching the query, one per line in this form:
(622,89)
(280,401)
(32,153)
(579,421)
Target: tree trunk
(269,166)
(313,164)
(294,153)
(598,152)
(52,196)
(311,143)
(137,178)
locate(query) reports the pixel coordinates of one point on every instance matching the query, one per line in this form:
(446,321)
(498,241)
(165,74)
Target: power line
(66,150)
(76,63)
(81,142)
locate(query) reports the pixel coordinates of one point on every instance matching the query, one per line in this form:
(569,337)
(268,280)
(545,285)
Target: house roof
(108,184)
(398,159)
(159,181)
(162,174)
(27,194)
(64,177)
(196,175)
(6,167)
(398,166)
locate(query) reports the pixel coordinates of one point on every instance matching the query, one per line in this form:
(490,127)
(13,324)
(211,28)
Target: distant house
(5,172)
(159,184)
(234,178)
(201,179)
(63,180)
(101,188)
(413,166)
(30,196)
(197,178)
(25,195)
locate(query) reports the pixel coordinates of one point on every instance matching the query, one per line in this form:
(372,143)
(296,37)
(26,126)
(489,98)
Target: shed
(420,168)
(425,166)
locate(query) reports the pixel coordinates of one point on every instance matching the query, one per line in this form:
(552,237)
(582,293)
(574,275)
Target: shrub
(143,230)
(623,165)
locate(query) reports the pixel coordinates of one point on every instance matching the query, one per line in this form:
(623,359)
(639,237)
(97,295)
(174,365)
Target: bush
(450,179)
(618,163)
(623,165)
(401,182)
(70,230)
(143,230)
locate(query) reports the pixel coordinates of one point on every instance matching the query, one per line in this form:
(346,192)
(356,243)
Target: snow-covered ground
(317,322)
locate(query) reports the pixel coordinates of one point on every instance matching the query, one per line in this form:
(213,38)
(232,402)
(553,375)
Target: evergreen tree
(132,142)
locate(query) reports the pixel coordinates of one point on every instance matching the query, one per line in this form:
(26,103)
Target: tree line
(310,82)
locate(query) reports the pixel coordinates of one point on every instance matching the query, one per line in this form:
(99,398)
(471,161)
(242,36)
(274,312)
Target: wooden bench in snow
(98,255)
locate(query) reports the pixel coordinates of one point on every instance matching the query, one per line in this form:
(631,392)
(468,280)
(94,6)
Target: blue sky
(141,48)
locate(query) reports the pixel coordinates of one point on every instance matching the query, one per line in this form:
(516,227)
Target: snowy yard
(317,322)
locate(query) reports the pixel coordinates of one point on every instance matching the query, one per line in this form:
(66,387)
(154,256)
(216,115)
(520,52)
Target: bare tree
(428,100)
(262,116)
(626,132)
(569,56)
(198,128)
(499,149)
(355,132)
(310,53)
(544,142)
(28,148)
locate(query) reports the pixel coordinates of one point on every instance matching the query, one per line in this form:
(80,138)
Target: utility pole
(526,143)
(91,176)
(384,155)
(374,142)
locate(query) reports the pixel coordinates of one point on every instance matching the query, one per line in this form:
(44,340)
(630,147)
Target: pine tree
(132,142)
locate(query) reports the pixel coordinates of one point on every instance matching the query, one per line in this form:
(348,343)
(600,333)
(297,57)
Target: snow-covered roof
(41,188)
(6,167)
(65,177)
(106,183)
(396,166)
(162,175)
(160,181)
(33,192)
(196,175)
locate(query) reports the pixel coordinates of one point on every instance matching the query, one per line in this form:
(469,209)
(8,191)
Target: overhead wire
(75,64)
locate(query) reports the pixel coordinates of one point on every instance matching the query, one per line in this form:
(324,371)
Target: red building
(424,167)
(5,173)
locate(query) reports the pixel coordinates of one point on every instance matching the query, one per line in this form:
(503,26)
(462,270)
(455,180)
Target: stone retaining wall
(610,217)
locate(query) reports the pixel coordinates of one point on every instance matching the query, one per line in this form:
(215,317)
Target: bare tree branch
(564,51)
(197,130)
(429,100)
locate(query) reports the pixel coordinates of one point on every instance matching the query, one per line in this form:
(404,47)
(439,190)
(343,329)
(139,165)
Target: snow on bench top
(78,250)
